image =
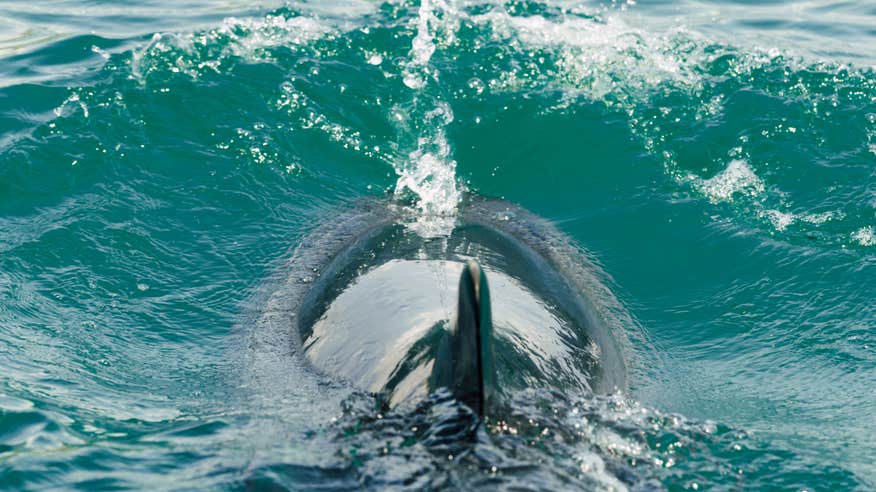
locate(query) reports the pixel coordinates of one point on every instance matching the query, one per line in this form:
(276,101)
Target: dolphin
(503,303)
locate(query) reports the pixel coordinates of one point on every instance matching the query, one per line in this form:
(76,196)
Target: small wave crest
(247,39)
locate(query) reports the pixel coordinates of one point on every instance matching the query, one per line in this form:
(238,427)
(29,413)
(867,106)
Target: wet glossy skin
(379,325)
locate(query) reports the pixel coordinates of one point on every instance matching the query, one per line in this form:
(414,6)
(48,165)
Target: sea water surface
(159,161)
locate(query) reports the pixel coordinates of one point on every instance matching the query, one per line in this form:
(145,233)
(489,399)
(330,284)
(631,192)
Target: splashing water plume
(430,174)
(429,171)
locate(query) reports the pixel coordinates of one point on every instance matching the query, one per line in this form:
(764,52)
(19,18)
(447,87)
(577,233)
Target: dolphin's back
(401,315)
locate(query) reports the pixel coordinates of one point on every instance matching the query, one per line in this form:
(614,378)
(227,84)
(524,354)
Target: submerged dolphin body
(503,303)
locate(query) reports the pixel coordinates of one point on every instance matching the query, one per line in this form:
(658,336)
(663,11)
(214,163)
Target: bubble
(477,85)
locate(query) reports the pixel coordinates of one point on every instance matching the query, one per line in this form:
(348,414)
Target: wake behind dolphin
(504,303)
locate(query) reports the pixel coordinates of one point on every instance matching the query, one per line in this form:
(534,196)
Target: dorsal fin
(465,363)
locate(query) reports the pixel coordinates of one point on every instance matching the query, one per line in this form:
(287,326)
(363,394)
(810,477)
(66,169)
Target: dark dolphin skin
(505,302)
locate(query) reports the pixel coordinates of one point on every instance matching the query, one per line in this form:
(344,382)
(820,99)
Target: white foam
(865,236)
(252,34)
(737,179)
(780,220)
(597,58)
(821,218)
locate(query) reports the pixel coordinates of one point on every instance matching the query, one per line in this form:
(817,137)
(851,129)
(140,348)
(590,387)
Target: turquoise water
(158,163)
